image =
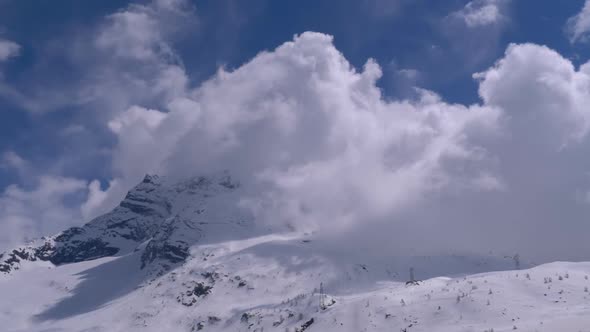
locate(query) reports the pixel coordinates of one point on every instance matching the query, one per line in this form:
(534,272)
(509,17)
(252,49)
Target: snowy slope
(182,256)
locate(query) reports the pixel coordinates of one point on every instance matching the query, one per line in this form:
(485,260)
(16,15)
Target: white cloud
(142,65)
(41,210)
(136,117)
(479,13)
(8,49)
(312,137)
(473,36)
(489,182)
(578,26)
(97,200)
(125,59)
(12,160)
(320,149)
(133,33)
(541,85)
(43,204)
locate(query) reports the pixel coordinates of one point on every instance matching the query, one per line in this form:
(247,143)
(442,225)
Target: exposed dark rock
(201,290)
(305,325)
(144,215)
(82,251)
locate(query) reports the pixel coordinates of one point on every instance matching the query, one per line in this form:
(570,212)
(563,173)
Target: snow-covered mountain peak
(159,216)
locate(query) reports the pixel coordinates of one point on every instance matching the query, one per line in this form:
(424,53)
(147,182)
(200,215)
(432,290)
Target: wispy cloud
(578,26)
(8,49)
(478,13)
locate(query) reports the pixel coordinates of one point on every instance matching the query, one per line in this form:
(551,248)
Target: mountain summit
(159,217)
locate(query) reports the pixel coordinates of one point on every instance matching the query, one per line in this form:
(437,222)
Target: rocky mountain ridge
(159,217)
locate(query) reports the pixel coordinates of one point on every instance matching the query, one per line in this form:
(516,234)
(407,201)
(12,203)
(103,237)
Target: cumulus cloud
(43,204)
(311,137)
(318,148)
(40,210)
(479,13)
(539,84)
(578,26)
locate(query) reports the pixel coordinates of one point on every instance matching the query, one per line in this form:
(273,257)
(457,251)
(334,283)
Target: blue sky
(79,68)
(398,34)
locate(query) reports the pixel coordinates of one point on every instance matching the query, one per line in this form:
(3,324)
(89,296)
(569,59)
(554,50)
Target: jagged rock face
(165,244)
(203,211)
(170,217)
(136,219)
(40,251)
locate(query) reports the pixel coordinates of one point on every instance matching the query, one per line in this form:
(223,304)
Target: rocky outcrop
(166,216)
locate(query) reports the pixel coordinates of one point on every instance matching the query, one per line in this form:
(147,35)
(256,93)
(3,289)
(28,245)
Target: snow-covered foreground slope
(184,257)
(272,284)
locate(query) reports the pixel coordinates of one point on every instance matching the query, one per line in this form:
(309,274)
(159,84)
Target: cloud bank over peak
(320,149)
(310,133)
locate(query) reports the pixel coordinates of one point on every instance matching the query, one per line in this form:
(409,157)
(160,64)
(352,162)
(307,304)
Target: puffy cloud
(127,58)
(538,83)
(139,32)
(8,49)
(95,202)
(43,204)
(41,210)
(578,26)
(142,65)
(318,148)
(312,139)
(479,13)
